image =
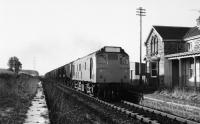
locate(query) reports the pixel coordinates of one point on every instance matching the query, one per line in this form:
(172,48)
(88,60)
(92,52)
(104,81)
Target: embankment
(16,93)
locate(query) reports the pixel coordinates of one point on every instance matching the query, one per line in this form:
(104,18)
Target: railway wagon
(103,73)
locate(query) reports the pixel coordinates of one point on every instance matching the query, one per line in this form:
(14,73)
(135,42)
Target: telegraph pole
(140,12)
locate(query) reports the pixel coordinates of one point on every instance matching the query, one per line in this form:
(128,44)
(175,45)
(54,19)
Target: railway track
(135,111)
(160,117)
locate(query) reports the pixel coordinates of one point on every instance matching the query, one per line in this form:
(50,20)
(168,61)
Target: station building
(173,56)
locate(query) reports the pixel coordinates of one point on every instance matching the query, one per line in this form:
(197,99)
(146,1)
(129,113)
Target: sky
(46,34)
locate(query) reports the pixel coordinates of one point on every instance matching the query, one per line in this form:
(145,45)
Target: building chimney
(198,22)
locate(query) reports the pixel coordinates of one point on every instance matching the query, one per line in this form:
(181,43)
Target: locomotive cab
(112,71)
(112,65)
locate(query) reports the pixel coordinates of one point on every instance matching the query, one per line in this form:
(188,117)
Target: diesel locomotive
(103,73)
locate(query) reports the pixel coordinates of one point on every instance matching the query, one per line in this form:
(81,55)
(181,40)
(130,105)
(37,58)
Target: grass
(182,94)
(15,96)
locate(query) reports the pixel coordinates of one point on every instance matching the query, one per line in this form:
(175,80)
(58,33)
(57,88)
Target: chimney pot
(198,21)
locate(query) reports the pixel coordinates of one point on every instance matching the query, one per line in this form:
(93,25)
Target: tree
(14,64)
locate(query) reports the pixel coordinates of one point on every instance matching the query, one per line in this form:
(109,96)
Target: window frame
(154,44)
(191,69)
(102,57)
(79,67)
(155,69)
(189,46)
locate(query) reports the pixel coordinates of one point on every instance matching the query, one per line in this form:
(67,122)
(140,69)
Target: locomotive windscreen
(112,56)
(112,49)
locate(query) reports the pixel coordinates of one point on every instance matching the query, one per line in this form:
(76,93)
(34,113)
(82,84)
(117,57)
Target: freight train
(103,73)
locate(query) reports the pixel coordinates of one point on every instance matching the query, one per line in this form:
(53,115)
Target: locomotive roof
(103,50)
(98,51)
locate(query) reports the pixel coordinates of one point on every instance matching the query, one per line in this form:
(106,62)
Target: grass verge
(16,93)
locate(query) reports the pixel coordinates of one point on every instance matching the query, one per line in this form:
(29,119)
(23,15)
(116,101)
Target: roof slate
(192,32)
(170,32)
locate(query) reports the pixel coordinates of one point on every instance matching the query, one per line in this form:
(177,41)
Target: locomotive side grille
(112,56)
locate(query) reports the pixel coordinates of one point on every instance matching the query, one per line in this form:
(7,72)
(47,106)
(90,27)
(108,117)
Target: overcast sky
(46,34)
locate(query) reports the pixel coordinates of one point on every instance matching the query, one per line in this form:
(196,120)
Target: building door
(175,73)
(154,80)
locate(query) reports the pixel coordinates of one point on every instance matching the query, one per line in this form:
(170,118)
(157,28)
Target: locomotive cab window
(124,61)
(101,59)
(112,56)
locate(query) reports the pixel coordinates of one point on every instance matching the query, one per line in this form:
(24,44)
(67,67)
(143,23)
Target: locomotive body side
(85,69)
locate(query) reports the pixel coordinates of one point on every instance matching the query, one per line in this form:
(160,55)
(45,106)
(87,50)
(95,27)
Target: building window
(79,67)
(189,46)
(191,68)
(73,70)
(154,69)
(179,47)
(154,45)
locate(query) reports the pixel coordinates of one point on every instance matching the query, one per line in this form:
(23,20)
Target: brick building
(173,56)
(162,41)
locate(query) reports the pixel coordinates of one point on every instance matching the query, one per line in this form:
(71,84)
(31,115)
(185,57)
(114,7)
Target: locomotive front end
(112,65)
(112,71)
